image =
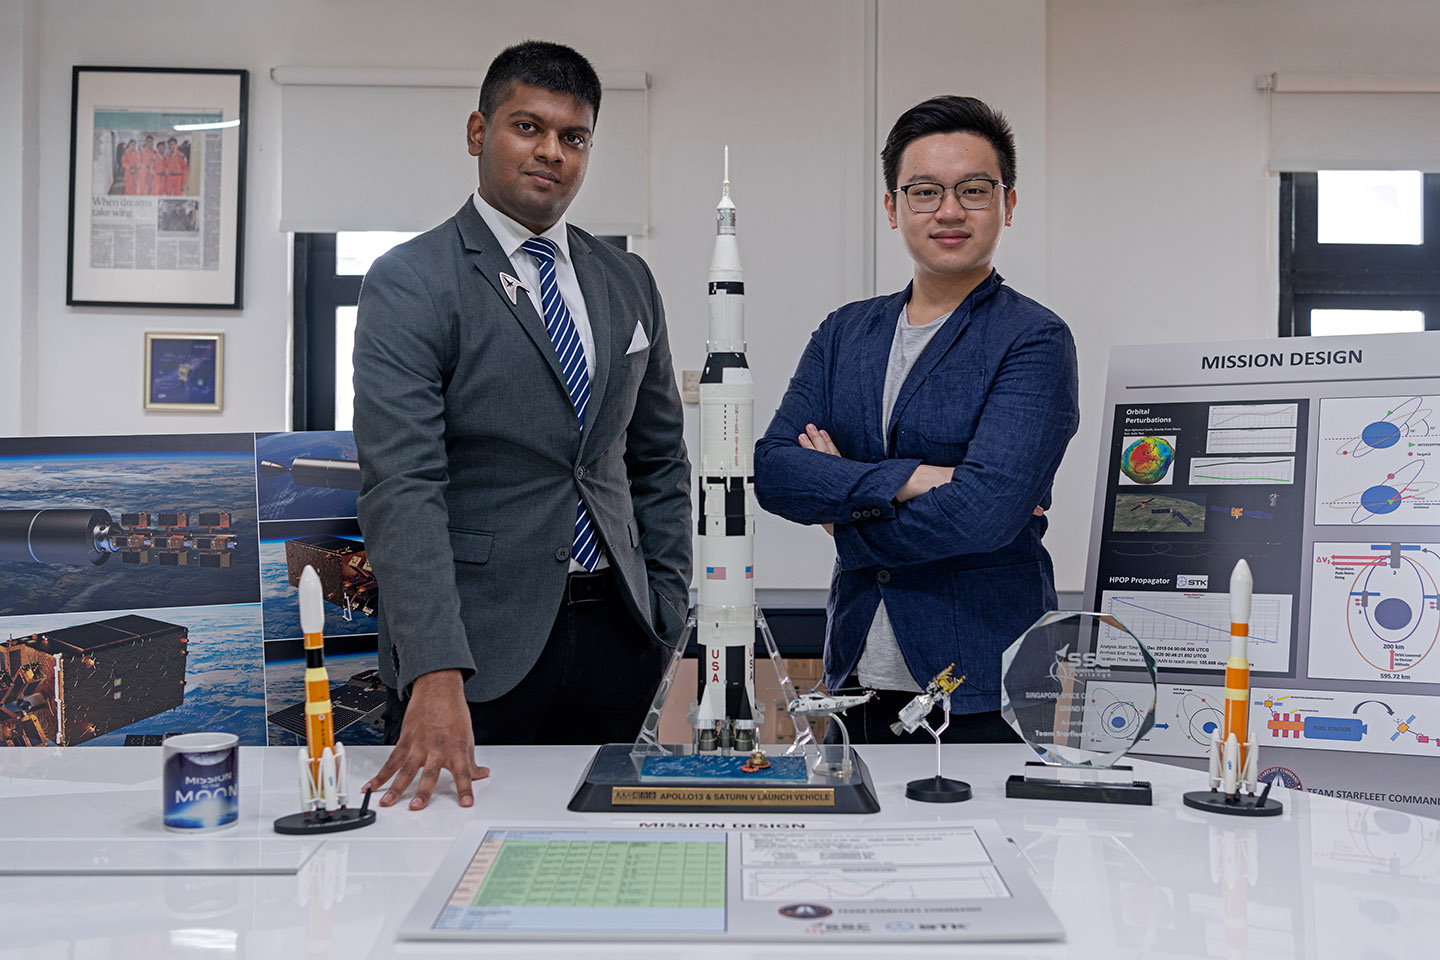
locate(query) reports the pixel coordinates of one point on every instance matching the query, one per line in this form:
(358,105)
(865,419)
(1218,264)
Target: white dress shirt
(510,234)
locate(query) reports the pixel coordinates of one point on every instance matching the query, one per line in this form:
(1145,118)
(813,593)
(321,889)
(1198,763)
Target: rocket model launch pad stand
(1235,805)
(648,776)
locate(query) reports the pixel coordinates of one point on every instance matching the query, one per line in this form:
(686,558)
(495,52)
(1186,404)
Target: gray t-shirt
(881,664)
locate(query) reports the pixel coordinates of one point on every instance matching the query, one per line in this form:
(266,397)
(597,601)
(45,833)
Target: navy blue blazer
(961,568)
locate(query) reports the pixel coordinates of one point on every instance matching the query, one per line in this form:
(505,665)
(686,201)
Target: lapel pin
(510,285)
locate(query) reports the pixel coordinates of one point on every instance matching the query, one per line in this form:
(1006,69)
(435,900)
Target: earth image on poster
(280,498)
(1147,460)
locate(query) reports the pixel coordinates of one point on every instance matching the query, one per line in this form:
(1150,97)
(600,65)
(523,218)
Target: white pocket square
(639,341)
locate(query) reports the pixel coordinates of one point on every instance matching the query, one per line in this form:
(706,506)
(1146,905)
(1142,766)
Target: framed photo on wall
(184,371)
(157,187)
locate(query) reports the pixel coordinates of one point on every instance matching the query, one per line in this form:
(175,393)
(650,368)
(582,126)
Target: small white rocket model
(323,770)
(725,715)
(322,760)
(1234,759)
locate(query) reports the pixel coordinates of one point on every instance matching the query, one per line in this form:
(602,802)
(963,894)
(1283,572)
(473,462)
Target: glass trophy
(1079,688)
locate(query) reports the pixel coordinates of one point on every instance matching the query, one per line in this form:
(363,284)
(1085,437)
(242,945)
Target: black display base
(937,789)
(306,824)
(1137,793)
(611,783)
(1213,801)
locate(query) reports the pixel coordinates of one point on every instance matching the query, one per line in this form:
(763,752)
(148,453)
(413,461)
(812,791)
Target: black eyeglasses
(974,194)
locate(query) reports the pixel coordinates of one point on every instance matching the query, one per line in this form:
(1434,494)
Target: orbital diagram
(1374,462)
(1186,717)
(1113,715)
(1392,612)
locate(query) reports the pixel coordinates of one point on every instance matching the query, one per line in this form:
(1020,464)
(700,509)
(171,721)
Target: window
(1359,252)
(328,271)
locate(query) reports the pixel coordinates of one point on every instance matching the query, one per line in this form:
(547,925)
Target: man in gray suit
(526,492)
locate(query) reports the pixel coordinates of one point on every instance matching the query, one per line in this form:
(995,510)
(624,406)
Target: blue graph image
(1191,631)
(1175,626)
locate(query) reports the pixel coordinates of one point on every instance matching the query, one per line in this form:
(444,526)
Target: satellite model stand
(825,705)
(323,765)
(916,714)
(1234,757)
(708,773)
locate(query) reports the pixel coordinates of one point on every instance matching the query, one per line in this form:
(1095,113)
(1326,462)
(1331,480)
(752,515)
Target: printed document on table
(956,882)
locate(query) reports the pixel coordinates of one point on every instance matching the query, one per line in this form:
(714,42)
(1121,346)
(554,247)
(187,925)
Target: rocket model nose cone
(1241,576)
(312,602)
(1242,587)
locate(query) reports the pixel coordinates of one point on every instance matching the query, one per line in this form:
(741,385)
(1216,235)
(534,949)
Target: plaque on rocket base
(723,769)
(1060,691)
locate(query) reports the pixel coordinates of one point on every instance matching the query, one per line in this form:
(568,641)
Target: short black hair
(949,114)
(550,66)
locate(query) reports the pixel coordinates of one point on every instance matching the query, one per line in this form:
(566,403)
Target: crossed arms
(900,510)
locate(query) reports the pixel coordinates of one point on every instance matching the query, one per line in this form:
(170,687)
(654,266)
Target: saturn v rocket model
(725,714)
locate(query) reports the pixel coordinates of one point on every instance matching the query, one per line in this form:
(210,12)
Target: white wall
(1155,98)
(19,163)
(1162,219)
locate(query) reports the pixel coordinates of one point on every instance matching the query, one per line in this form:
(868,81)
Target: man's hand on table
(436,735)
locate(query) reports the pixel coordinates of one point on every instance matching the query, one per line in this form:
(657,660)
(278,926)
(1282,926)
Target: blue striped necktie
(572,365)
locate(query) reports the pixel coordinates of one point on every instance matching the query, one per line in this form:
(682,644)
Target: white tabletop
(1329,878)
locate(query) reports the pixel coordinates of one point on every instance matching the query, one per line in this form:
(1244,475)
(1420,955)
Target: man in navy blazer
(526,501)
(923,428)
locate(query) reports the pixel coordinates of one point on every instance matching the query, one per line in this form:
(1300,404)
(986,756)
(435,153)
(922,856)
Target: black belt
(588,587)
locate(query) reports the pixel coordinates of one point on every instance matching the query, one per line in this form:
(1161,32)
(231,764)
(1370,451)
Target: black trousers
(592,684)
(870,723)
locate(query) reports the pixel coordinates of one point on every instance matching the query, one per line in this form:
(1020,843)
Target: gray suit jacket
(473,458)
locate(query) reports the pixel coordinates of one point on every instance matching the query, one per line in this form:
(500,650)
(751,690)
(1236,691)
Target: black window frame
(318,291)
(1352,276)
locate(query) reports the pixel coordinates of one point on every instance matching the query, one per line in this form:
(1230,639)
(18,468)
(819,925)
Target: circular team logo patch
(1284,775)
(805,911)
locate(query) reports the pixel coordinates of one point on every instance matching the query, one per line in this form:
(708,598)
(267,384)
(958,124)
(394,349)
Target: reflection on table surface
(1329,878)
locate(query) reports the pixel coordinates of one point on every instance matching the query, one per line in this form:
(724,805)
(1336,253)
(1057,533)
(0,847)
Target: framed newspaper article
(157,187)
(184,371)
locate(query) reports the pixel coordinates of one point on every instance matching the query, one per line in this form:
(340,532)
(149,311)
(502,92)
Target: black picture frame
(152,228)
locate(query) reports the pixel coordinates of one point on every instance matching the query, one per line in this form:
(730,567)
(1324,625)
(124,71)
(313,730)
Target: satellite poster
(144,593)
